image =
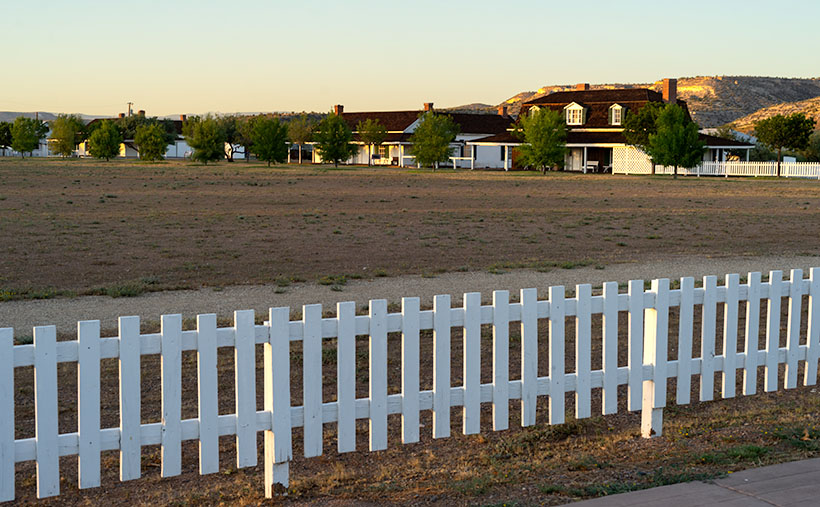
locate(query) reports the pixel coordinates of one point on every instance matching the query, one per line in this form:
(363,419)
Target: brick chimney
(121,115)
(502,111)
(582,87)
(141,112)
(670,90)
(338,109)
(183,117)
(428,106)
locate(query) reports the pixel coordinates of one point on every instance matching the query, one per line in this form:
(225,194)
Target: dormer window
(616,114)
(575,114)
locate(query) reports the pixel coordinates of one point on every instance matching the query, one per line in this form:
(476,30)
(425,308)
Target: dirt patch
(120,228)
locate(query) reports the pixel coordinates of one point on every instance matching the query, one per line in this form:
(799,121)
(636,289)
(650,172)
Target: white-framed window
(574,114)
(534,109)
(616,114)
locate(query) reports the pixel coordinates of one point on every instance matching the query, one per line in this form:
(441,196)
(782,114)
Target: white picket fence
(647,343)
(727,169)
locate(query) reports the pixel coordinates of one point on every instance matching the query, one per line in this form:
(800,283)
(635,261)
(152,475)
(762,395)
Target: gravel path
(64,313)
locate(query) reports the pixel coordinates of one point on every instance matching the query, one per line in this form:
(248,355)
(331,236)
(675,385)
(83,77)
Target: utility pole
(129,108)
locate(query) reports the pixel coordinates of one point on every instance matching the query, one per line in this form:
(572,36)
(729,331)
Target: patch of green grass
(473,486)
(743,453)
(335,280)
(801,437)
(658,478)
(14,294)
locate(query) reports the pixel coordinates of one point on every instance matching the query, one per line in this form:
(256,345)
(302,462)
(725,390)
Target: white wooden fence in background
(645,375)
(726,169)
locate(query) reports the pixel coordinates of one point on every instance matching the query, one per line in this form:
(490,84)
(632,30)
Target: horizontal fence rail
(645,375)
(736,169)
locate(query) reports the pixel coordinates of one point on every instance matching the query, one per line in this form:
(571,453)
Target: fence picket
(730,322)
(655,354)
(556,344)
(441,366)
(171,355)
(208,390)
(752,334)
(707,338)
(471,342)
(410,370)
(635,338)
(45,411)
(583,352)
(378,374)
(501,359)
(130,399)
(245,383)
(686,317)
(278,448)
(312,383)
(7,391)
(88,402)
(346,375)
(529,356)
(609,326)
(773,330)
(813,331)
(793,328)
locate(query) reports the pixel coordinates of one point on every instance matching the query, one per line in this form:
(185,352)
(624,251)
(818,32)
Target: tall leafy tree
(639,125)
(245,134)
(812,151)
(676,141)
(206,136)
(5,135)
(371,133)
(300,131)
(151,141)
(270,138)
(545,137)
(230,126)
(26,134)
(432,138)
(104,141)
(778,132)
(333,139)
(66,132)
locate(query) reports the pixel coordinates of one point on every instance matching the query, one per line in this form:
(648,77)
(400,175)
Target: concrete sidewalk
(788,484)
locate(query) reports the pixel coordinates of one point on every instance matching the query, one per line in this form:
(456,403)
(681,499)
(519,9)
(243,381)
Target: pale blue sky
(253,55)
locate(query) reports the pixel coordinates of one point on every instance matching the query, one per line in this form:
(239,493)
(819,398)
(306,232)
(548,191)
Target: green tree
(151,141)
(5,135)
(638,126)
(230,127)
(105,140)
(66,132)
(333,138)
(432,138)
(812,151)
(676,141)
(206,137)
(545,135)
(26,134)
(300,131)
(245,134)
(269,139)
(778,132)
(371,133)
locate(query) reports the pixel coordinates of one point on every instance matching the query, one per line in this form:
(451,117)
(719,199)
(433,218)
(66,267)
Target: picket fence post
(6,414)
(655,351)
(278,449)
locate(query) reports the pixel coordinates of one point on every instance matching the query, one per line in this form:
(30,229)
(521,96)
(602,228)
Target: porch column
(506,157)
(472,157)
(584,167)
(747,154)
(246,155)
(401,155)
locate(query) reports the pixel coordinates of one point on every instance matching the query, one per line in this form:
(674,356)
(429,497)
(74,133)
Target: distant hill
(810,107)
(712,100)
(10,116)
(474,108)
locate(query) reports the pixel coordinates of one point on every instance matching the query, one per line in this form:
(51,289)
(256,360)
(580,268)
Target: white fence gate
(645,375)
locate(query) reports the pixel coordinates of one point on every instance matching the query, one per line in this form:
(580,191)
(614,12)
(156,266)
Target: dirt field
(123,227)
